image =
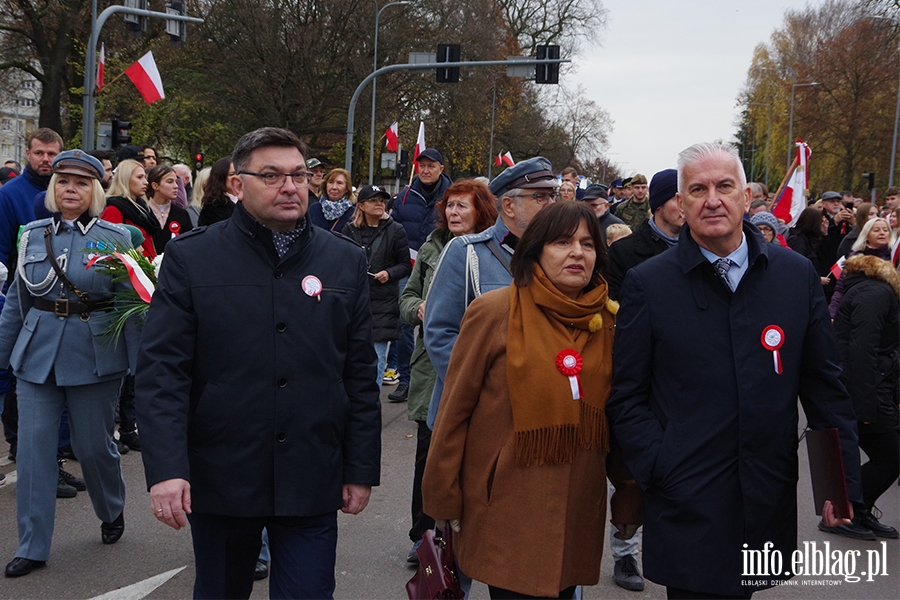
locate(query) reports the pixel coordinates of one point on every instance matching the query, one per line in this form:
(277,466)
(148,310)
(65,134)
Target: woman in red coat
(125,203)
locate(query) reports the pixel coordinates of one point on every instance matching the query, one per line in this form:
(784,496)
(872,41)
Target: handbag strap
(57,269)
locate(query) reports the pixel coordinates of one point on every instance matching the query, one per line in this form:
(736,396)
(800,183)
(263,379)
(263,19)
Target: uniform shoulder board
(474,238)
(37,224)
(113,227)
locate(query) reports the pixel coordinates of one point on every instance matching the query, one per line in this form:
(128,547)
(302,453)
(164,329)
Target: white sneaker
(391,377)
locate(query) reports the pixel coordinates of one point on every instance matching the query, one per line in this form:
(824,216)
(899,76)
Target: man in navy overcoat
(715,341)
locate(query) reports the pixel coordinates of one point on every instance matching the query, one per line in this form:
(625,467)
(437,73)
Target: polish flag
(145,77)
(895,254)
(506,159)
(420,144)
(792,200)
(838,267)
(101,67)
(392,137)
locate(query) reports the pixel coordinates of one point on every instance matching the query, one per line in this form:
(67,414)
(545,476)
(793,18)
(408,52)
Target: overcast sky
(669,72)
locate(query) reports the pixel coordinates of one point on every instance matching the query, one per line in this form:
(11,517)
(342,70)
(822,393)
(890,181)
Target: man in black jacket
(257,355)
(654,236)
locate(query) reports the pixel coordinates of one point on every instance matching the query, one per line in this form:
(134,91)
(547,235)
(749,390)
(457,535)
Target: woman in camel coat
(517,464)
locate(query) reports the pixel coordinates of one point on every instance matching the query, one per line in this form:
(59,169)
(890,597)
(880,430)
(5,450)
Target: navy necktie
(722,266)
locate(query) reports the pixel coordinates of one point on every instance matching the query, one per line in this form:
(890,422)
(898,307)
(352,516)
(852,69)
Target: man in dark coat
(654,236)
(414,208)
(706,382)
(257,355)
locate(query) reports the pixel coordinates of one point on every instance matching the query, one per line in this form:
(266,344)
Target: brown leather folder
(826,469)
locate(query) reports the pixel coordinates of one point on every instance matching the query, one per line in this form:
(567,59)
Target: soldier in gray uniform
(471,265)
(52,334)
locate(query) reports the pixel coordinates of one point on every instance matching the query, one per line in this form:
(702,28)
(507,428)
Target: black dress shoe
(131,440)
(853,531)
(111,532)
(262,569)
(18,567)
(868,520)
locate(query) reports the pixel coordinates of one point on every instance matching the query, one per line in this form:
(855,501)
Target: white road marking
(141,589)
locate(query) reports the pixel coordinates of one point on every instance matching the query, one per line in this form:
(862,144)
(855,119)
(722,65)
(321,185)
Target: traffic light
(136,24)
(198,162)
(402,171)
(870,177)
(448,53)
(120,134)
(547,73)
(177,30)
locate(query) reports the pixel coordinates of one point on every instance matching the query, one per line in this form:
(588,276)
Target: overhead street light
(791,125)
(896,114)
(375,68)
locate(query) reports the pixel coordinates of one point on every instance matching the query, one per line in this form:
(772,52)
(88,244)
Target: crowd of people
(561,348)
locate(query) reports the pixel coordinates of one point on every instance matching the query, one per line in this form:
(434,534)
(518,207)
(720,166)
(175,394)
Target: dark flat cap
(593,192)
(831,196)
(532,173)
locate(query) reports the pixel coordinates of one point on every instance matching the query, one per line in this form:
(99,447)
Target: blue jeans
(401,350)
(381,351)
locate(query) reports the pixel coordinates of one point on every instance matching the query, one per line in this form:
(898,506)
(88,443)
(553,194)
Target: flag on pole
(838,267)
(792,200)
(392,137)
(101,67)
(506,159)
(420,145)
(145,77)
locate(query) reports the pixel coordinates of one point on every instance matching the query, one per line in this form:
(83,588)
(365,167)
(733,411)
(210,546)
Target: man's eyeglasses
(541,197)
(277,179)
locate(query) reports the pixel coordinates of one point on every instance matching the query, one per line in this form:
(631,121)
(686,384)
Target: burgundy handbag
(436,576)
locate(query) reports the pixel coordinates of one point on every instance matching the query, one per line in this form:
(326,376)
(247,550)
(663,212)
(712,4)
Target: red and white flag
(145,77)
(420,144)
(505,159)
(792,200)
(895,254)
(101,67)
(392,137)
(838,267)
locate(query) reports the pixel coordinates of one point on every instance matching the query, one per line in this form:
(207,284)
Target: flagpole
(787,176)
(106,85)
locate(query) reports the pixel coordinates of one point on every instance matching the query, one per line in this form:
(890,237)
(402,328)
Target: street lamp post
(896,114)
(768,136)
(791,122)
(374,81)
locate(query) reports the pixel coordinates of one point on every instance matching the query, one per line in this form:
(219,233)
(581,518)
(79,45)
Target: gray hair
(860,244)
(705,150)
(263,138)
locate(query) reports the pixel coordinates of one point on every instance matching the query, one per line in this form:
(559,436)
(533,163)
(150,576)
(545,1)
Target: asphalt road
(152,561)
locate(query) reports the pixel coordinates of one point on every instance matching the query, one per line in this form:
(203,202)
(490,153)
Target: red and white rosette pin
(311,286)
(772,339)
(569,363)
(175,228)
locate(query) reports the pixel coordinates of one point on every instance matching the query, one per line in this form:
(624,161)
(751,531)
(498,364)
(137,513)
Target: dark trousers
(10,417)
(126,405)
(883,467)
(303,551)
(501,594)
(679,594)
(420,521)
